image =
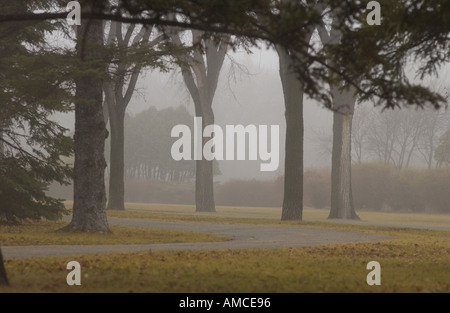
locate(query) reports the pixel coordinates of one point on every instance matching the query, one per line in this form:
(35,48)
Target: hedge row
(375,187)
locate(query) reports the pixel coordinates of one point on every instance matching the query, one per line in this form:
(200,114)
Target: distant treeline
(376,187)
(148,143)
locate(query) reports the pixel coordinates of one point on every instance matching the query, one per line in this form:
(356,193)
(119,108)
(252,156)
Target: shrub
(374,186)
(436,190)
(317,188)
(370,184)
(250,193)
(406,190)
(158,191)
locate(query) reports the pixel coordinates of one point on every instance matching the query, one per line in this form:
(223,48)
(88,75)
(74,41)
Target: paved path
(241,237)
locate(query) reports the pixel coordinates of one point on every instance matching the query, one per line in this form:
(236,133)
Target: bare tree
(360,132)
(118,92)
(383,130)
(435,124)
(404,137)
(200,70)
(442,153)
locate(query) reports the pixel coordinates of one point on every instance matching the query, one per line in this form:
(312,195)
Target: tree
(31,143)
(148,143)
(371,59)
(292,208)
(359,132)
(89,205)
(200,70)
(401,137)
(125,67)
(410,29)
(434,123)
(293,91)
(342,205)
(343,106)
(442,154)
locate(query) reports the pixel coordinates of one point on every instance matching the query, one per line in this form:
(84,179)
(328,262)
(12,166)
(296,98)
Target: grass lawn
(45,233)
(416,260)
(227,214)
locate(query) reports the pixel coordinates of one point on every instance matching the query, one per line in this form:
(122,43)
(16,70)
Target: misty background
(250,92)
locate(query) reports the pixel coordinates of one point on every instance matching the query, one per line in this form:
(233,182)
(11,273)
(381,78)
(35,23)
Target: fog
(250,92)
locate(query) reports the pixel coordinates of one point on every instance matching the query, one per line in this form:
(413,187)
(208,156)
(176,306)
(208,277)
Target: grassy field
(224,213)
(46,233)
(415,260)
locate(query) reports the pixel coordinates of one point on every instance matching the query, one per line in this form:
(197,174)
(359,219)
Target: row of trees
(401,138)
(148,143)
(376,187)
(116,67)
(216,26)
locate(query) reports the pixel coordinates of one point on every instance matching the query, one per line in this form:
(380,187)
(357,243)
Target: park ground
(413,251)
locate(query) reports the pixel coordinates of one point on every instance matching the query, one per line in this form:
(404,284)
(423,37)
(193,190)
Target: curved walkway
(241,237)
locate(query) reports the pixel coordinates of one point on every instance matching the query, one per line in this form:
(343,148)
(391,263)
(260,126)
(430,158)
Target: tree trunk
(201,75)
(89,207)
(341,185)
(293,171)
(293,168)
(116,199)
(204,178)
(3,276)
(2,146)
(341,164)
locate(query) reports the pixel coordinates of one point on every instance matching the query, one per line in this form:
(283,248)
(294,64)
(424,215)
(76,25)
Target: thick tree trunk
(344,105)
(3,276)
(204,177)
(89,207)
(342,206)
(116,199)
(293,168)
(293,173)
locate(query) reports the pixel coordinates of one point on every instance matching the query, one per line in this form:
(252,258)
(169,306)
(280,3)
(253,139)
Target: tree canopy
(32,81)
(371,58)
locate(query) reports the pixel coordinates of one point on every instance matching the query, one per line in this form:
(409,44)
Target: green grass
(45,233)
(414,261)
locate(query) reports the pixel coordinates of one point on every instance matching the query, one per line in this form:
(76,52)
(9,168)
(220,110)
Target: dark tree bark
(293,91)
(89,207)
(293,169)
(3,276)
